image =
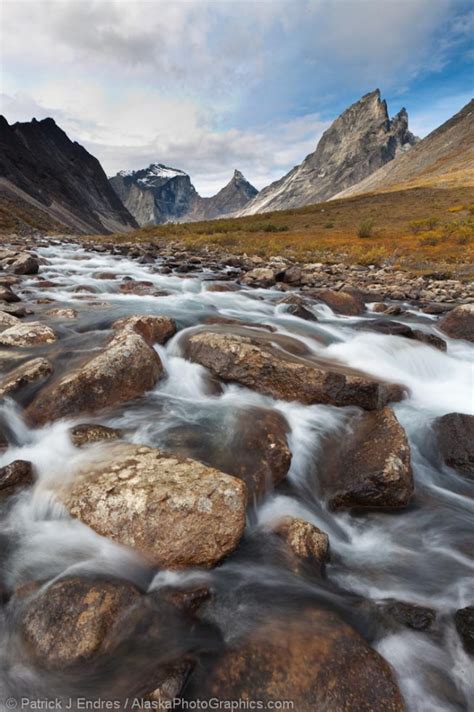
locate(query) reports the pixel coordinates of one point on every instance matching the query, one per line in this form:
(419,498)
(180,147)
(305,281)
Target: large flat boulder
(371,467)
(127,368)
(176,512)
(35,370)
(66,623)
(312,659)
(268,371)
(459,322)
(455,437)
(29,333)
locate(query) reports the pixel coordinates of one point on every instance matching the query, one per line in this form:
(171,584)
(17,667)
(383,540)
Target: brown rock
(14,477)
(142,289)
(464,621)
(455,437)
(298,307)
(342,302)
(259,277)
(292,275)
(216,287)
(8,295)
(308,543)
(459,323)
(86,434)
(29,333)
(15,310)
(154,329)
(411,615)
(240,359)
(24,264)
(313,659)
(29,372)
(176,512)
(127,368)
(389,309)
(430,339)
(67,622)
(7,320)
(371,467)
(62,313)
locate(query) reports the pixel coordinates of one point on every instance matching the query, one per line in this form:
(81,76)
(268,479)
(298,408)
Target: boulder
(15,310)
(154,329)
(62,313)
(389,309)
(24,264)
(371,467)
(307,543)
(411,615)
(216,287)
(298,307)
(14,477)
(455,436)
(312,658)
(127,368)
(8,295)
(250,444)
(7,320)
(388,327)
(142,289)
(342,302)
(65,624)
(464,622)
(268,371)
(292,274)
(30,333)
(259,277)
(176,512)
(459,322)
(429,339)
(35,370)
(87,434)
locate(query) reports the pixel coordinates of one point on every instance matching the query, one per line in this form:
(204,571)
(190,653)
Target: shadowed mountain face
(159,194)
(360,140)
(444,158)
(41,168)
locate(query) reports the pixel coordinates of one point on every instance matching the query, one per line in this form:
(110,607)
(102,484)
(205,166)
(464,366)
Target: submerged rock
(30,333)
(459,323)
(66,623)
(455,436)
(86,434)
(312,658)
(371,467)
(176,512)
(154,329)
(127,368)
(15,476)
(268,371)
(411,615)
(464,622)
(29,372)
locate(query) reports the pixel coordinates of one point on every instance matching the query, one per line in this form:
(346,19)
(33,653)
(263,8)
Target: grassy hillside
(419,229)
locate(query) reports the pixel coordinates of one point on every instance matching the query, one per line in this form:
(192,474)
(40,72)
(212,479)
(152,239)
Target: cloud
(211,85)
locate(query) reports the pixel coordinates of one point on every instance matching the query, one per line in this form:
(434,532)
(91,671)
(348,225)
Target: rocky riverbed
(223,477)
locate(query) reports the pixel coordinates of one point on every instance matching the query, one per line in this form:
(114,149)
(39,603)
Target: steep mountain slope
(361,140)
(41,168)
(159,194)
(444,158)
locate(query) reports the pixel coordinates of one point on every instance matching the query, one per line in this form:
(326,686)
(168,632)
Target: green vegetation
(366,228)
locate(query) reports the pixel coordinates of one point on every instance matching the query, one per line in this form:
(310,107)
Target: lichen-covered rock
(127,368)
(312,658)
(240,359)
(66,623)
(88,433)
(308,543)
(459,322)
(176,512)
(65,313)
(371,467)
(30,333)
(35,370)
(7,320)
(154,329)
(259,277)
(455,437)
(15,476)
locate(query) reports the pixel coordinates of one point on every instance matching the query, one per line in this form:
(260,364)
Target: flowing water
(422,555)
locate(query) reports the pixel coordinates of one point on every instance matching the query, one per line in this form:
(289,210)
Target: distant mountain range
(42,170)
(50,182)
(160,194)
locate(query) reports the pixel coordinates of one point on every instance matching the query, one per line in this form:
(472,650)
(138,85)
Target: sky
(208,86)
